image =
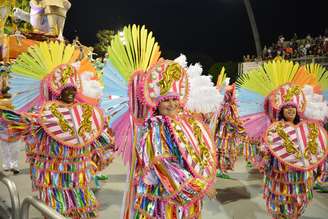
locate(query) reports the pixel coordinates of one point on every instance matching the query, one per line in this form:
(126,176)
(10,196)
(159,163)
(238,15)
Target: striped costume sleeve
(13,125)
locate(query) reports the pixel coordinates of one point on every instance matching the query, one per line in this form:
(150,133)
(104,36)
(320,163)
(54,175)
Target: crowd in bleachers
(294,48)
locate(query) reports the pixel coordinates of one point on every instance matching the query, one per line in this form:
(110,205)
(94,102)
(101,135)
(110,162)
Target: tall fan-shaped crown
(131,53)
(133,50)
(41,59)
(33,66)
(264,91)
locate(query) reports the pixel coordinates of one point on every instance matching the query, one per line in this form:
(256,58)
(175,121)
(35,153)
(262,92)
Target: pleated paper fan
(321,74)
(34,65)
(222,77)
(133,51)
(268,77)
(115,100)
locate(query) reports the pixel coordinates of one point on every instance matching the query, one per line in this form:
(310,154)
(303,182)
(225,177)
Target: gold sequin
(86,124)
(291,92)
(63,123)
(312,145)
(205,155)
(172,73)
(67,73)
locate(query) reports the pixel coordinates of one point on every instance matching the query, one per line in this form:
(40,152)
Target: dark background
(208,31)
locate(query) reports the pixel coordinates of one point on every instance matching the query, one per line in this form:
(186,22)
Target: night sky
(217,30)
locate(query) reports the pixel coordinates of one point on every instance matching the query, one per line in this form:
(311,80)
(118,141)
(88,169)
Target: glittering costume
(66,143)
(176,178)
(206,103)
(322,181)
(291,151)
(173,159)
(229,134)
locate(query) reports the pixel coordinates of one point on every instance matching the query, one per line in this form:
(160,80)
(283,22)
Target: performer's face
(168,107)
(289,113)
(68,95)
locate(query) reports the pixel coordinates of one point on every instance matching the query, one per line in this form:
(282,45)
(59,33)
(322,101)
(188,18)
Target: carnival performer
(173,159)
(283,109)
(66,137)
(321,185)
(229,133)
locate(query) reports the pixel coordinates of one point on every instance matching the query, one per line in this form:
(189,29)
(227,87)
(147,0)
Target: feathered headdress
(44,70)
(264,91)
(203,96)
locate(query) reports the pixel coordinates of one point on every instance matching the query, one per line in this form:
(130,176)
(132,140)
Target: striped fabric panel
(300,136)
(51,122)
(281,150)
(74,118)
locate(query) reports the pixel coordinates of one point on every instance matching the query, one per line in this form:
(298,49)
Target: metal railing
(41,207)
(18,212)
(14,197)
(4,209)
(322,60)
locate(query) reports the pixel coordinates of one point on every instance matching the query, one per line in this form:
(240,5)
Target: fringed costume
(229,135)
(321,184)
(66,143)
(172,159)
(283,108)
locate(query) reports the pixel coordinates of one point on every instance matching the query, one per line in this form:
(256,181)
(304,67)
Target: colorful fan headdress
(264,91)
(287,94)
(164,80)
(129,57)
(43,71)
(222,80)
(61,77)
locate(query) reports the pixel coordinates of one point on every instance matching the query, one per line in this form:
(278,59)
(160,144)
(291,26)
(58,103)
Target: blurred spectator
(295,48)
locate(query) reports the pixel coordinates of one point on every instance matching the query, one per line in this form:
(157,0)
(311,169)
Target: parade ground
(238,198)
